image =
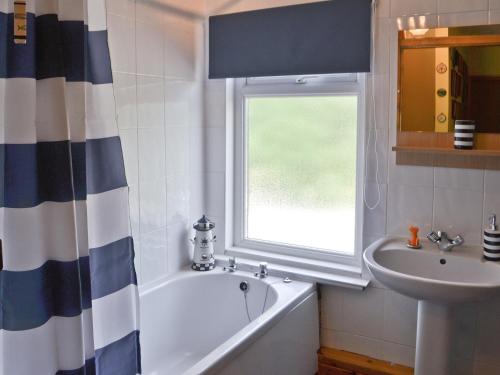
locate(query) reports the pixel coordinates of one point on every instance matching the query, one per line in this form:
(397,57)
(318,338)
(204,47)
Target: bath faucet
(262,274)
(444,243)
(232,267)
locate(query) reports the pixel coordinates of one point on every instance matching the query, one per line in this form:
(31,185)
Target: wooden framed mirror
(445,75)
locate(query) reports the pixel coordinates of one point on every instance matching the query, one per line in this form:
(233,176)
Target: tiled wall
(379,322)
(157,57)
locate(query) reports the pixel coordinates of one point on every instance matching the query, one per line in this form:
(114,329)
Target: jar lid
(203,224)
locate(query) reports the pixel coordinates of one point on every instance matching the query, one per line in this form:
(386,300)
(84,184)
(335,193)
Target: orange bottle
(414,241)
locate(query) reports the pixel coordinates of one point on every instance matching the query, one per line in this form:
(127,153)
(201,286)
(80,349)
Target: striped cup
(464,134)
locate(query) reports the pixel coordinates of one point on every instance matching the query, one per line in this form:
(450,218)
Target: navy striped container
(464,134)
(491,244)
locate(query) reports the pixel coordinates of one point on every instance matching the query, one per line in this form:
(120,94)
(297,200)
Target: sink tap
(262,274)
(232,267)
(444,243)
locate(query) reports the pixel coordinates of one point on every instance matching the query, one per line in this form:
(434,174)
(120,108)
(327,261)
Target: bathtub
(199,323)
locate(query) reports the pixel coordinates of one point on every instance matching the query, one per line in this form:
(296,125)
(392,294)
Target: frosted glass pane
(301,176)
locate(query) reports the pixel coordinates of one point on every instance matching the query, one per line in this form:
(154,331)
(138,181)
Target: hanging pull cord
(374,127)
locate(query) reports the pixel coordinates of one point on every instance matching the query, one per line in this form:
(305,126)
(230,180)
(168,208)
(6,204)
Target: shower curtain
(68,289)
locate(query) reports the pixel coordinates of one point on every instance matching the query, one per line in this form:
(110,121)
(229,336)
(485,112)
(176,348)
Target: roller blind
(316,38)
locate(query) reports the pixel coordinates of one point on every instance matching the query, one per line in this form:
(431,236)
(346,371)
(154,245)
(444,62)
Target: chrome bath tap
(232,267)
(443,241)
(262,274)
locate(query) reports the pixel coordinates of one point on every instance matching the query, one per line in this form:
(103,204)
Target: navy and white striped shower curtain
(68,290)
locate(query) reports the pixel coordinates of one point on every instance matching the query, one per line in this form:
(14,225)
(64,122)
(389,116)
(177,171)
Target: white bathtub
(197,323)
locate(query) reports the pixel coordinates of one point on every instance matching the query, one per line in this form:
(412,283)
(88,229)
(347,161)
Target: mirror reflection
(442,84)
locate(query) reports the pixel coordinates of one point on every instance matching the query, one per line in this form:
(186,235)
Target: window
(298,164)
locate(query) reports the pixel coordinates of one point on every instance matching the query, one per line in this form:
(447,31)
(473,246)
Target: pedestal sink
(438,280)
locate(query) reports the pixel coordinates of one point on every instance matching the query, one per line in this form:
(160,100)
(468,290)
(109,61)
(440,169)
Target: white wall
(157,57)
(379,322)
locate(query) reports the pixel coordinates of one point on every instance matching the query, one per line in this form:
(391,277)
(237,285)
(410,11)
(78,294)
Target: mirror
(449,74)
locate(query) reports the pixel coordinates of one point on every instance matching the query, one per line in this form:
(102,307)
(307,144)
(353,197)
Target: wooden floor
(339,362)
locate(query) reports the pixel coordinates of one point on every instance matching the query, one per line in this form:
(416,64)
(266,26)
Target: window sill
(303,269)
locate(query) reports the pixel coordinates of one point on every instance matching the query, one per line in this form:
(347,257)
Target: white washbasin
(429,274)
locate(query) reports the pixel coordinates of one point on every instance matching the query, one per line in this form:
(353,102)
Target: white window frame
(238,91)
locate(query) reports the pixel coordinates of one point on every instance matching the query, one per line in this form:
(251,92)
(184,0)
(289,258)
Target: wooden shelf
(449,41)
(447,157)
(436,150)
(447,151)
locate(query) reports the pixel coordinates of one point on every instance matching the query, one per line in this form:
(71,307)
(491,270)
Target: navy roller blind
(316,38)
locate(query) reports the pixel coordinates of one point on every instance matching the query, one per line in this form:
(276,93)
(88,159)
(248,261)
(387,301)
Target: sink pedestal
(439,281)
(433,339)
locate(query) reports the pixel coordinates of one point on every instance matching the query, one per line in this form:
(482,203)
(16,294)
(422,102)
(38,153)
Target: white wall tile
(494,17)
(375,219)
(417,21)
(383,8)
(459,212)
(198,149)
(179,48)
(220,234)
(215,194)
(491,206)
(153,205)
(178,195)
(409,205)
(177,154)
(463,19)
(332,299)
(179,97)
(381,141)
(451,6)
(408,174)
(457,178)
(494,4)
(150,43)
(216,149)
(153,255)
(400,318)
(150,101)
(492,181)
(121,36)
(410,7)
(363,312)
(121,7)
(125,90)
(148,11)
(193,8)
(197,195)
(151,153)
(215,102)
(180,251)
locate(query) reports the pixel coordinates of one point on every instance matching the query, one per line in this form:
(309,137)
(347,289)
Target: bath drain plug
(244,286)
